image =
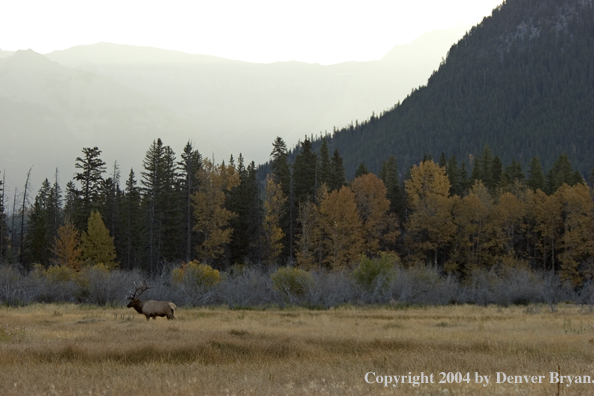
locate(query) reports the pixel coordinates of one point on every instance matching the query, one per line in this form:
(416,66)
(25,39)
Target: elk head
(135,297)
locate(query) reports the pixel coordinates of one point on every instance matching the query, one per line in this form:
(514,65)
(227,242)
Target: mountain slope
(235,101)
(48,113)
(522,82)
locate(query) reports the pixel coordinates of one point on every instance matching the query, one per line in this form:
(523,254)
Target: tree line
(306,214)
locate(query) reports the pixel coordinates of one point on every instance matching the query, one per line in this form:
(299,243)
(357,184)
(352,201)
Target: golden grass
(75,350)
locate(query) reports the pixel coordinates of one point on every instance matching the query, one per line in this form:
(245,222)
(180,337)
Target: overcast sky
(315,31)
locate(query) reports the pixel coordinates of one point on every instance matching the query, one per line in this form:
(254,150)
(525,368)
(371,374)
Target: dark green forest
(522,82)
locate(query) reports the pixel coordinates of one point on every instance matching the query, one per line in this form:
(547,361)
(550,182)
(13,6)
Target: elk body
(150,308)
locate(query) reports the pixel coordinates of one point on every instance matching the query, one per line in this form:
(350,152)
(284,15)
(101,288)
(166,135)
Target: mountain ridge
(529,97)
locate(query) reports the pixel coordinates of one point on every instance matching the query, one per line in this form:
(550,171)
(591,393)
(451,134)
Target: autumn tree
(343,229)
(96,243)
(212,218)
(272,233)
(67,247)
(578,233)
(379,224)
(429,227)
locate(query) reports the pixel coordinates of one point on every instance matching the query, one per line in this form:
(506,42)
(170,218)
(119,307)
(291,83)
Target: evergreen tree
(188,182)
(453,174)
(536,177)
(337,178)
(131,253)
(443,162)
(514,173)
(161,200)
(496,174)
(561,172)
(90,177)
(37,237)
(361,170)
(389,175)
(305,173)
(240,201)
(325,167)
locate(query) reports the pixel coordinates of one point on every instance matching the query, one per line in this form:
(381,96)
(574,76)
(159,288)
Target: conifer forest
(187,220)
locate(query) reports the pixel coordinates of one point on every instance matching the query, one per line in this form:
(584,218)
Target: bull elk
(150,308)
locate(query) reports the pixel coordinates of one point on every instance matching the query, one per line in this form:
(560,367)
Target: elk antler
(142,288)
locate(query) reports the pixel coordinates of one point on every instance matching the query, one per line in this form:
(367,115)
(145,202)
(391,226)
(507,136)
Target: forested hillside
(522,82)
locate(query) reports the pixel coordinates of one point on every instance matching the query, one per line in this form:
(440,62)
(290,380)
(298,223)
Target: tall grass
(68,349)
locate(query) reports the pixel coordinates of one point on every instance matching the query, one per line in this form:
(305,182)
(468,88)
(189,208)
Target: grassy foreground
(72,350)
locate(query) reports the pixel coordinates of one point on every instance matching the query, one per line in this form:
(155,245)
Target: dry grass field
(76,350)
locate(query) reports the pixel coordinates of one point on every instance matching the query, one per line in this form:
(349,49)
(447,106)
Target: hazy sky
(316,31)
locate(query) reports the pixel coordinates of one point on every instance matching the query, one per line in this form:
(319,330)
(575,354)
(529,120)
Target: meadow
(69,349)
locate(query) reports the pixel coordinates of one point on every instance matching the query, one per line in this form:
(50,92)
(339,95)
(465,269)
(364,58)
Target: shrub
(196,274)
(291,281)
(374,274)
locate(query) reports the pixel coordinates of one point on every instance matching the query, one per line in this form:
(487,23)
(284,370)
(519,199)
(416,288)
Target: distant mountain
(120,98)
(234,101)
(48,113)
(6,54)
(522,82)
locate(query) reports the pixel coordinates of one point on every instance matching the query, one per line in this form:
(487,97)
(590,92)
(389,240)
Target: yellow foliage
(212,218)
(430,226)
(379,225)
(97,246)
(343,229)
(66,247)
(197,274)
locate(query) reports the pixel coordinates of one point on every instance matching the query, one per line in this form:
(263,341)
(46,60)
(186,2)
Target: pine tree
(188,182)
(560,173)
(325,167)
(281,172)
(453,174)
(132,250)
(496,175)
(305,173)
(38,236)
(90,177)
(361,170)
(536,177)
(338,178)
(96,243)
(389,175)
(161,202)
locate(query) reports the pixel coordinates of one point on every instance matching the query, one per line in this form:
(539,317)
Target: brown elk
(150,308)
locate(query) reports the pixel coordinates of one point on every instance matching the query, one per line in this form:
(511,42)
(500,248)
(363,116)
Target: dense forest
(478,174)
(306,214)
(522,81)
